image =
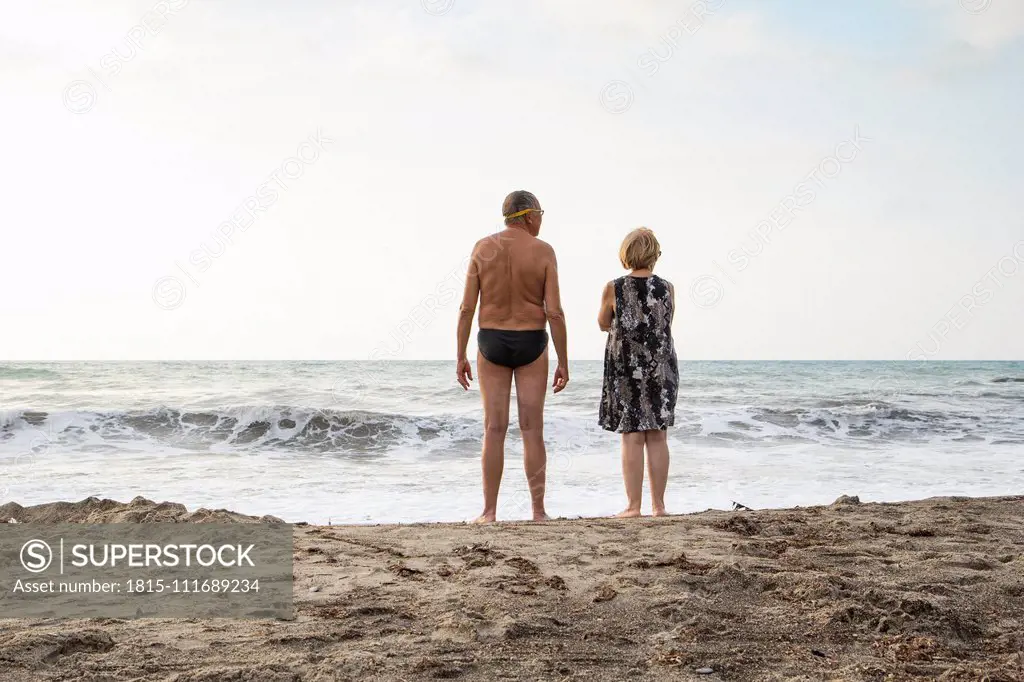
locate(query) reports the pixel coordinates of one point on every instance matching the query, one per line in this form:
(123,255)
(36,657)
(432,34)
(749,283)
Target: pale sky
(415,118)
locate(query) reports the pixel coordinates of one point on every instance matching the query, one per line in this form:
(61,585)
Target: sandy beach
(932,589)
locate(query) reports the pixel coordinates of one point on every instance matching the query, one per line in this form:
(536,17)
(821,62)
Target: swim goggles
(523,212)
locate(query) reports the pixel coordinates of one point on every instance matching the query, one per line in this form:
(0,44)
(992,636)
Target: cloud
(983,24)
(998,26)
(607,19)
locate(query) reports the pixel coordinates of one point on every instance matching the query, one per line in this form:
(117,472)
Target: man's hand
(561,377)
(464,373)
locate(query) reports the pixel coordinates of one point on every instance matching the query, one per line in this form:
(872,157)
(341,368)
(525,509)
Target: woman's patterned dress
(641,375)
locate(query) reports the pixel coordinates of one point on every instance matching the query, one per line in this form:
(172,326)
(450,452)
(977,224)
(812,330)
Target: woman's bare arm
(672,295)
(607,312)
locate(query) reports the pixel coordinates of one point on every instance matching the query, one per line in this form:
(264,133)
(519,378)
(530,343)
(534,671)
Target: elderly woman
(515,277)
(641,372)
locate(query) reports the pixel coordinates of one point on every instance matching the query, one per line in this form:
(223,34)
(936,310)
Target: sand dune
(919,590)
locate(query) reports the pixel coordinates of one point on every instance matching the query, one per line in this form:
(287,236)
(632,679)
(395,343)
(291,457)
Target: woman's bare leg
(633,472)
(531,387)
(495,390)
(657,468)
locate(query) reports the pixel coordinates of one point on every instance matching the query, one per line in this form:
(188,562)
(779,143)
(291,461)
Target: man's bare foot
(541,516)
(660,512)
(628,514)
(485,518)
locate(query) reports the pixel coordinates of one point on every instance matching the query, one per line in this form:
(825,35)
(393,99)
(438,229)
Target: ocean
(398,442)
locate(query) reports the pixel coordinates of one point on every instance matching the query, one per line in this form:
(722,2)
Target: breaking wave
(244,427)
(852,421)
(16,372)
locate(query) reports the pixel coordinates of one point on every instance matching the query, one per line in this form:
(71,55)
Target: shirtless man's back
(512,268)
(514,275)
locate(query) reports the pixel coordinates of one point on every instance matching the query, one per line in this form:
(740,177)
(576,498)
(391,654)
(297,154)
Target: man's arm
(604,317)
(556,320)
(463,368)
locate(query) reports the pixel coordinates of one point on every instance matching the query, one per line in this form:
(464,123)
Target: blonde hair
(640,249)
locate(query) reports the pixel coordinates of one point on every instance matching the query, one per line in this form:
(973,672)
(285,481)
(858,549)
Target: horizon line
(414,360)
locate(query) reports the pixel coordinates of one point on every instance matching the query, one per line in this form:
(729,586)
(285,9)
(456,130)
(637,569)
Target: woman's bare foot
(485,518)
(628,514)
(660,512)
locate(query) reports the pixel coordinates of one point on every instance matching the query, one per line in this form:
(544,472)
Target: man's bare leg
(531,387)
(657,468)
(632,472)
(495,391)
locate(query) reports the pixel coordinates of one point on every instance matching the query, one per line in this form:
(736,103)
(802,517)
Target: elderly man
(515,276)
